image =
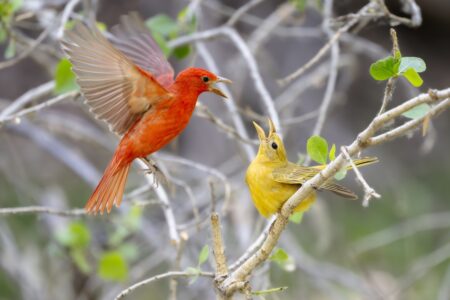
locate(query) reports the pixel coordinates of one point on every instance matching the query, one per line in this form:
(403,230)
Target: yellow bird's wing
(295,174)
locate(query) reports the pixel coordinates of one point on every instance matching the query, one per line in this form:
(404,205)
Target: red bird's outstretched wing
(133,38)
(117,90)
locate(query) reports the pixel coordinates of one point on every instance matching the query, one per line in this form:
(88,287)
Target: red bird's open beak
(215,90)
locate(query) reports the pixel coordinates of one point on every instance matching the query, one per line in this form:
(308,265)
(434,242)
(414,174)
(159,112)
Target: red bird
(128,83)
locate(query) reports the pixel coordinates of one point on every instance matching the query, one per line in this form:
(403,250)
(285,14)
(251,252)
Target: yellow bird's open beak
(260,132)
(216,90)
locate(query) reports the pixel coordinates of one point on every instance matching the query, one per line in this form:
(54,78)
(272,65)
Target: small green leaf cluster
(112,263)
(164,29)
(394,66)
(202,258)
(283,260)
(7,10)
(317,149)
(65,79)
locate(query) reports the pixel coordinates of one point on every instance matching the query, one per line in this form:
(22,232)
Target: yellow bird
(272,179)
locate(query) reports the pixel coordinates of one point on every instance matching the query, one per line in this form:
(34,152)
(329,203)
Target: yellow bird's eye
(274,146)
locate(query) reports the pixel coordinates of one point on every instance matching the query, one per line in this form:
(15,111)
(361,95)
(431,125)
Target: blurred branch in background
(52,152)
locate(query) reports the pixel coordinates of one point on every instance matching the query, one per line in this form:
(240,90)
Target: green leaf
(279,255)
(283,260)
(385,68)
(195,273)
(182,51)
(418,111)
(133,218)
(65,80)
(203,256)
(117,237)
(3,34)
(6,10)
(332,154)
(317,148)
(299,4)
(416,63)
(341,174)
(79,258)
(296,217)
(186,25)
(101,26)
(10,51)
(162,43)
(76,235)
(129,251)
(112,266)
(16,4)
(162,24)
(413,77)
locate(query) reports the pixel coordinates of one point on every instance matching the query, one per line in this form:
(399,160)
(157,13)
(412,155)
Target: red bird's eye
(205,78)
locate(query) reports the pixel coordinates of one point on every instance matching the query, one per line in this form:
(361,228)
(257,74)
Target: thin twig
(29,96)
(38,107)
(204,112)
(408,126)
(167,208)
(127,291)
(231,104)
(286,80)
(218,248)
(26,210)
(68,9)
(241,11)
(369,192)
(333,71)
(417,224)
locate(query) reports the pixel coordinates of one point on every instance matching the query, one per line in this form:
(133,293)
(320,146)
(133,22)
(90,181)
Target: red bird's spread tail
(110,189)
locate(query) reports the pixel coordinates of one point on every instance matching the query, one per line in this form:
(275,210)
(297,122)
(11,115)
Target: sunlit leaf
(133,218)
(203,256)
(112,266)
(340,174)
(194,272)
(317,148)
(416,63)
(279,255)
(296,217)
(101,26)
(65,80)
(283,260)
(385,68)
(76,235)
(417,111)
(413,77)
(162,43)
(162,24)
(332,154)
